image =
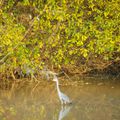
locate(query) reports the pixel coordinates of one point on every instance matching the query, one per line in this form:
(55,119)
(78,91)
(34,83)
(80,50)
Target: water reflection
(90,102)
(64,111)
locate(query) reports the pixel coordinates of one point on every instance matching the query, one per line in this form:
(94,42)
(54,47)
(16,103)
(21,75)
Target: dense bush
(57,32)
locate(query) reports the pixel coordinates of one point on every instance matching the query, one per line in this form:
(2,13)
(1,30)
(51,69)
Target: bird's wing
(65,97)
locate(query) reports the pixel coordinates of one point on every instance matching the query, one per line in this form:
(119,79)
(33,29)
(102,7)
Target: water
(91,101)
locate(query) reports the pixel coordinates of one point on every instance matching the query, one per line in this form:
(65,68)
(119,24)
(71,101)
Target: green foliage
(61,31)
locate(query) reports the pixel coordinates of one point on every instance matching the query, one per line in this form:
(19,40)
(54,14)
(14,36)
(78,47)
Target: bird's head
(55,78)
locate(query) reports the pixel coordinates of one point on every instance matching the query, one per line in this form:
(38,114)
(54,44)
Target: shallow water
(91,101)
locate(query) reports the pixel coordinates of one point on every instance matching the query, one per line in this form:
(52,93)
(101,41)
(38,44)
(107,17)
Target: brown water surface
(91,101)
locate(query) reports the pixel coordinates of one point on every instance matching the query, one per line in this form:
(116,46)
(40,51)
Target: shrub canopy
(58,32)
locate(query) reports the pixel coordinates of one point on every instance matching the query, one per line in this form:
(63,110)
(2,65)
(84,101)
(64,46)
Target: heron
(63,98)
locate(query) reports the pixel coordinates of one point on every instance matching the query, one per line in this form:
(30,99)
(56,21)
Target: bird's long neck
(58,89)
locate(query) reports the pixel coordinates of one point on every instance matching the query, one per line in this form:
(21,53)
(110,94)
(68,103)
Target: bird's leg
(65,102)
(62,107)
(61,101)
